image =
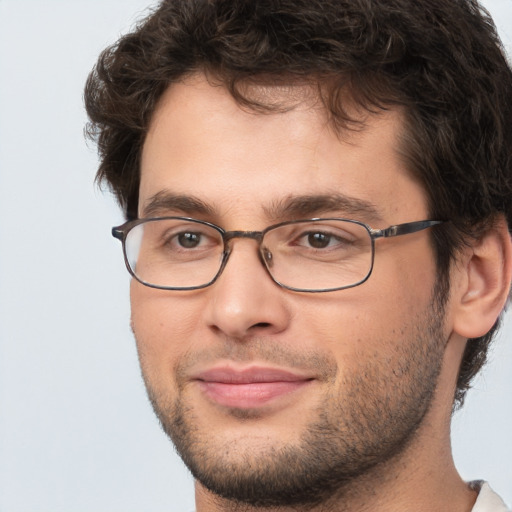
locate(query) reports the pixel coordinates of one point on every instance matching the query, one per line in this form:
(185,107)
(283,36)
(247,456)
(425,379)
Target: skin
(240,165)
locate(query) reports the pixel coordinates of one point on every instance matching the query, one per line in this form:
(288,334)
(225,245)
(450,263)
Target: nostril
(262,324)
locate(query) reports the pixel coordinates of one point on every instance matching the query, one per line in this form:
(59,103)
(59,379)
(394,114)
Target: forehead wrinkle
(304,206)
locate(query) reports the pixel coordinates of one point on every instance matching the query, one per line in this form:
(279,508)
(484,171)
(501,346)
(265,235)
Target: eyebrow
(305,206)
(165,202)
(292,207)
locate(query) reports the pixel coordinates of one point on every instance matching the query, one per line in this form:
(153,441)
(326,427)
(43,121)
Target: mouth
(249,388)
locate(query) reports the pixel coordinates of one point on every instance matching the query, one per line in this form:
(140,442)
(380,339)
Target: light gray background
(76,431)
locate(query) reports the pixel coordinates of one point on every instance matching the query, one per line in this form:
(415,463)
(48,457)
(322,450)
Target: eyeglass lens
(306,255)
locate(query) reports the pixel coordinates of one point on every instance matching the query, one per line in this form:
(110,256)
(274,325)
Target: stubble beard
(382,405)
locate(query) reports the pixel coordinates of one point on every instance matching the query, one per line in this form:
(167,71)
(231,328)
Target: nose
(244,301)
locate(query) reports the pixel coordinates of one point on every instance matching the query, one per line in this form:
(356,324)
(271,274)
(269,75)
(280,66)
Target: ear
(484,277)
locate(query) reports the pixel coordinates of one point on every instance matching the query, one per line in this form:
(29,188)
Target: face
(275,397)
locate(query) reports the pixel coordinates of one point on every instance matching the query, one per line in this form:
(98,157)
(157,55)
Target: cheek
(402,283)
(163,325)
(371,321)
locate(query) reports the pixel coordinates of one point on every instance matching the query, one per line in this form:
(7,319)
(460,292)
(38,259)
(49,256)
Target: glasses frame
(121,233)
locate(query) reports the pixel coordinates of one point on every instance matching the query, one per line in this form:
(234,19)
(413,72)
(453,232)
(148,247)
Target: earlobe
(485,277)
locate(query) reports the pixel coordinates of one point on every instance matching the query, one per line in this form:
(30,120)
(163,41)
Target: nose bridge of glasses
(264,254)
(254,235)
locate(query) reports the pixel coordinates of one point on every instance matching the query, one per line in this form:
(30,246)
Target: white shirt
(488,500)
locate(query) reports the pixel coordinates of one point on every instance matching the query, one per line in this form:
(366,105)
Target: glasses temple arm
(404,229)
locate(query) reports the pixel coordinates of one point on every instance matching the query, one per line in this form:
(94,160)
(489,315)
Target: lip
(249,388)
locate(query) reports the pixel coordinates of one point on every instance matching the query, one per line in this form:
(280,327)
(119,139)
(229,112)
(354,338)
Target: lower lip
(249,395)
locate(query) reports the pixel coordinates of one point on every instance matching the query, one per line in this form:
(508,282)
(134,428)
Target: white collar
(488,500)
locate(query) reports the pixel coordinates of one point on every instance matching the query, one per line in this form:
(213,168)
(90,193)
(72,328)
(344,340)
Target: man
(319,202)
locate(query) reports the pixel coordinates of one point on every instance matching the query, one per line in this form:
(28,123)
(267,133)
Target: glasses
(316,255)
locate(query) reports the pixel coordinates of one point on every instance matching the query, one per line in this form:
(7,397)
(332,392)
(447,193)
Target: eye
(319,240)
(322,240)
(186,238)
(189,240)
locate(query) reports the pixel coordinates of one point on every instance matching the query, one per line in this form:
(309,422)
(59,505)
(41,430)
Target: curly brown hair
(441,61)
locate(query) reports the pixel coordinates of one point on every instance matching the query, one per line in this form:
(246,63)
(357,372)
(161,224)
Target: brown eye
(189,240)
(319,240)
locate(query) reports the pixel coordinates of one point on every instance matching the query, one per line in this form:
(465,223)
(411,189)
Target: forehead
(202,143)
